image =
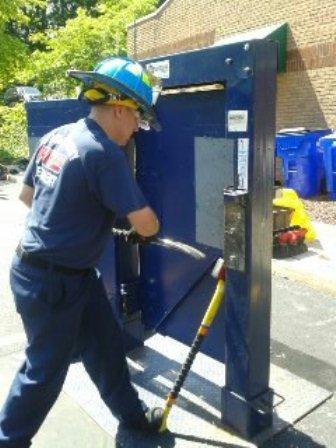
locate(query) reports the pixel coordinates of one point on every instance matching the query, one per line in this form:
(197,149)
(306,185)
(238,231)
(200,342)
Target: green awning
(277,32)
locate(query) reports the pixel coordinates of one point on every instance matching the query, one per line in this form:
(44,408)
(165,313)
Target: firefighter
(77,184)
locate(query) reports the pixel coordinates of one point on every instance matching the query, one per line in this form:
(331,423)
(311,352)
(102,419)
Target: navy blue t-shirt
(82,181)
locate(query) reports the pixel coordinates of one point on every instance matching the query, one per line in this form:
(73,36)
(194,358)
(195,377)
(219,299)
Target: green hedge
(13,133)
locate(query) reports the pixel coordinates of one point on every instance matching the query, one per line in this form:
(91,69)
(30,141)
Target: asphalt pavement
(12,215)
(303,341)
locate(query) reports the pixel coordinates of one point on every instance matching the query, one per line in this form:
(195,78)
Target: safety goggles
(143,122)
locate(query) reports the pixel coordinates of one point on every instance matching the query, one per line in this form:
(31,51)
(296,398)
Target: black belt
(38,262)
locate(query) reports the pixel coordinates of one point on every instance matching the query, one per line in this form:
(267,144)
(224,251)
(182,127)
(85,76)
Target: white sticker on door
(243,156)
(161,69)
(237,120)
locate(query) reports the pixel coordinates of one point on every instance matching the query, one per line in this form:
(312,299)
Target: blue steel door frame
(248,72)
(247,400)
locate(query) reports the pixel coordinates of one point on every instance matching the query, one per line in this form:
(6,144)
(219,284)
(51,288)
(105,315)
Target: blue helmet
(128,78)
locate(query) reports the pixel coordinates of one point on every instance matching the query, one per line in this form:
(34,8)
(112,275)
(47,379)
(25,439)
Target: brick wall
(306,92)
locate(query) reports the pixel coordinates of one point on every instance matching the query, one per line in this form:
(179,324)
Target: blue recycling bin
(302,161)
(327,146)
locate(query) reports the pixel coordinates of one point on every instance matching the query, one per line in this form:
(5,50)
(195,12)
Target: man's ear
(118,111)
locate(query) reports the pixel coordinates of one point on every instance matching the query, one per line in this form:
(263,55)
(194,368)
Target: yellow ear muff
(108,96)
(94,95)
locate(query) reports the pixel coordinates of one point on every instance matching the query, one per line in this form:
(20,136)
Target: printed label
(161,69)
(242,169)
(49,164)
(237,120)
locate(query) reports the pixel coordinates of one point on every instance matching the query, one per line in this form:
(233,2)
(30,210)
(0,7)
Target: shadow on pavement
(292,438)
(156,364)
(126,438)
(3,195)
(130,439)
(206,442)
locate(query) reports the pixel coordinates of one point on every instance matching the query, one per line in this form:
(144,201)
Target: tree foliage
(41,39)
(13,133)
(82,42)
(43,18)
(13,51)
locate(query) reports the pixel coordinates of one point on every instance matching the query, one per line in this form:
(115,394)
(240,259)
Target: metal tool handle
(119,232)
(166,242)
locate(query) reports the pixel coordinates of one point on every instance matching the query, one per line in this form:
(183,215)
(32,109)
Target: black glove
(133,237)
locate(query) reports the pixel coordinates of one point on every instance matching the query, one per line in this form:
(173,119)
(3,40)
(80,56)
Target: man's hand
(144,221)
(26,195)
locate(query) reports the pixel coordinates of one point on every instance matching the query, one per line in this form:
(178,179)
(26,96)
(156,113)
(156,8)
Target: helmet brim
(90,77)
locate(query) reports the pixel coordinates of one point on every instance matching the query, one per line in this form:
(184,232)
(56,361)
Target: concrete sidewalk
(67,425)
(317,267)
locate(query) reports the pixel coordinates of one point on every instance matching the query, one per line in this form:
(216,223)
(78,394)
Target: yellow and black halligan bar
(219,272)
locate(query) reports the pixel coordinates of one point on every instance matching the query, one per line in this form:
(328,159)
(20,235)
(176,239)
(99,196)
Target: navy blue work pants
(63,314)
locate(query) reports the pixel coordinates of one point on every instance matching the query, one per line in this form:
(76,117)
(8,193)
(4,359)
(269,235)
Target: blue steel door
(182,171)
